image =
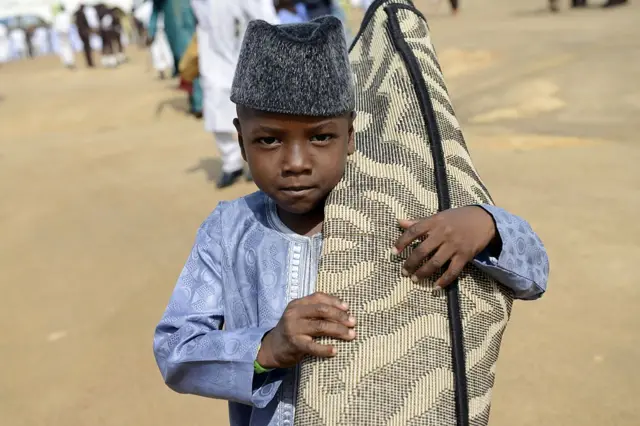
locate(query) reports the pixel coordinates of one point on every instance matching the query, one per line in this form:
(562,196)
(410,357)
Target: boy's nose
(296,159)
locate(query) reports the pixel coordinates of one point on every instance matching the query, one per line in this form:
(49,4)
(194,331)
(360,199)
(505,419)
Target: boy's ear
(352,135)
(236,124)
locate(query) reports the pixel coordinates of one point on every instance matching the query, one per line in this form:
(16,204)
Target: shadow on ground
(545,11)
(179,103)
(210,166)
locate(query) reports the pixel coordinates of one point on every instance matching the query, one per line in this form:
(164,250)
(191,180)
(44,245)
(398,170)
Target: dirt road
(104,181)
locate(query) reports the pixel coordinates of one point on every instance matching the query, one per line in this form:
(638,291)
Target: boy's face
(296,160)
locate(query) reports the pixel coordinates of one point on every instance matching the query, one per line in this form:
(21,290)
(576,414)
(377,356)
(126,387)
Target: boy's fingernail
(352,320)
(344,305)
(394,251)
(404,272)
(414,278)
(334,351)
(352,334)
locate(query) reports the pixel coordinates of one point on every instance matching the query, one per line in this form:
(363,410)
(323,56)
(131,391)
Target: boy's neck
(307,224)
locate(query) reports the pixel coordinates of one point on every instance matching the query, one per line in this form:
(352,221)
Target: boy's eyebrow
(269,129)
(321,125)
(313,128)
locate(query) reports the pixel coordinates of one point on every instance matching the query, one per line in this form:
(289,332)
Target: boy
(244,313)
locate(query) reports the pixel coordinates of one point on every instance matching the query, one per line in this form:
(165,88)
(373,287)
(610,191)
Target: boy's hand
(316,315)
(454,236)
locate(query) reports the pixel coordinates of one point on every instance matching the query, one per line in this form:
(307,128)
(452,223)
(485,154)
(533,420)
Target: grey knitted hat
(298,69)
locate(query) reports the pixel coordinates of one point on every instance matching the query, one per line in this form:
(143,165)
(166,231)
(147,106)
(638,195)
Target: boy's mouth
(297,190)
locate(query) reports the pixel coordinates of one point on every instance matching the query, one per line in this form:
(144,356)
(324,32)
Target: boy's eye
(267,140)
(321,138)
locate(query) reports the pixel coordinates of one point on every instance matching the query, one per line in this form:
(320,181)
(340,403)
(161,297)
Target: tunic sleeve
(195,355)
(522,264)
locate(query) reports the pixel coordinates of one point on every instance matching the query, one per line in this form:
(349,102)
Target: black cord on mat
(444,202)
(368,15)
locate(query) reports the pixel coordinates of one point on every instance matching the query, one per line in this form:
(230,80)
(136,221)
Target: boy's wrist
(264,358)
(259,369)
(494,246)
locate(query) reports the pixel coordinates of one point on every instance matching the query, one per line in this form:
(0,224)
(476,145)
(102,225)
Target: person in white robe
(40,41)
(119,37)
(109,59)
(220,30)
(91,14)
(62,26)
(160,51)
(361,4)
(161,54)
(5,44)
(18,38)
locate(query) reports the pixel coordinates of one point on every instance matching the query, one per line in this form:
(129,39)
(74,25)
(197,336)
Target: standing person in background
(577,4)
(161,56)
(361,4)
(5,45)
(106,34)
(614,3)
(179,26)
(62,28)
(40,41)
(338,9)
(91,14)
(221,25)
(454,6)
(126,28)
(19,41)
(84,32)
(317,8)
(291,12)
(165,10)
(28,33)
(139,26)
(117,35)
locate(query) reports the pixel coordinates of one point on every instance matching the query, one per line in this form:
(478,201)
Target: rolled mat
(422,356)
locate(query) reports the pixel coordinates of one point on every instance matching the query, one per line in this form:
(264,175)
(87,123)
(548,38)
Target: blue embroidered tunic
(245,267)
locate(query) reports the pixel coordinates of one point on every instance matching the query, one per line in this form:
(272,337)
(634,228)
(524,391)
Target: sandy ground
(103,182)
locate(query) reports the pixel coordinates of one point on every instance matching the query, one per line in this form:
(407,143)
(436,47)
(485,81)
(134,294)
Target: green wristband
(257,368)
(260,369)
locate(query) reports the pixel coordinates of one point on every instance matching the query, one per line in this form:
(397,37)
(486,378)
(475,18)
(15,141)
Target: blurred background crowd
(31,28)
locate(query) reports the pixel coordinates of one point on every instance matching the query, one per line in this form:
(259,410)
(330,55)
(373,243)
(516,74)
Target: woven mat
(422,357)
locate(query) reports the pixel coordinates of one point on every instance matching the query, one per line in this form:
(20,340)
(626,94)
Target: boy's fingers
(437,261)
(406,223)
(318,328)
(416,230)
(421,253)
(326,299)
(322,351)
(328,313)
(453,271)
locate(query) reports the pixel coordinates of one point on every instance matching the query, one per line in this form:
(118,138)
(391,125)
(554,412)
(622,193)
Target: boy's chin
(303,207)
